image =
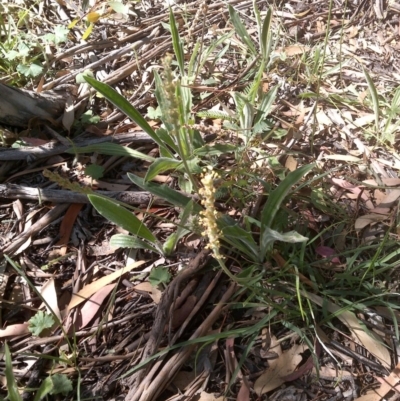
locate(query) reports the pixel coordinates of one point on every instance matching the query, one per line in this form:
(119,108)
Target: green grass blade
(119,101)
(374,98)
(176,42)
(241,30)
(121,217)
(13,394)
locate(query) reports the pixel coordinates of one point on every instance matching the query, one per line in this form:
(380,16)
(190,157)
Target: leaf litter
(353,139)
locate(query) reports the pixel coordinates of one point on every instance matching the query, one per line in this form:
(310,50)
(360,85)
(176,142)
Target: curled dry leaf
(364,221)
(360,333)
(279,368)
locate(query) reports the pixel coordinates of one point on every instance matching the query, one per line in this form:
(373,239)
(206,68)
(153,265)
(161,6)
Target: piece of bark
(18,106)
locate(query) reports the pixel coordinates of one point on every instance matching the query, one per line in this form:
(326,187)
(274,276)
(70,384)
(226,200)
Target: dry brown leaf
(18,208)
(374,347)
(364,221)
(68,117)
(67,225)
(14,330)
(154,292)
(390,198)
(209,397)
(244,392)
(354,189)
(293,50)
(28,224)
(87,291)
(387,384)
(291,163)
(49,294)
(280,367)
(93,304)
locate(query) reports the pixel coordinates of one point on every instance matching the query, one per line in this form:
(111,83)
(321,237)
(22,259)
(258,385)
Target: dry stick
(163,309)
(134,198)
(51,149)
(159,382)
(195,310)
(34,229)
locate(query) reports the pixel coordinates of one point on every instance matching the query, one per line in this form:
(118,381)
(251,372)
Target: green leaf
(122,217)
(374,98)
(154,114)
(164,192)
(32,70)
(119,101)
(45,388)
(60,34)
(238,237)
(40,322)
(241,30)
(273,235)
(246,121)
(167,139)
(176,42)
(266,37)
(61,384)
(112,149)
(161,165)
(266,105)
(95,171)
(55,384)
(12,388)
(274,202)
(119,7)
(170,243)
(159,275)
(127,241)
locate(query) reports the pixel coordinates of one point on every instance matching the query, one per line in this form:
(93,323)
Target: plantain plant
(184,152)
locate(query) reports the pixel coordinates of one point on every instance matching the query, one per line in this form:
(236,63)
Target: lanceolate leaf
(121,217)
(241,30)
(266,105)
(374,98)
(164,192)
(266,37)
(161,165)
(176,42)
(128,241)
(274,202)
(119,101)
